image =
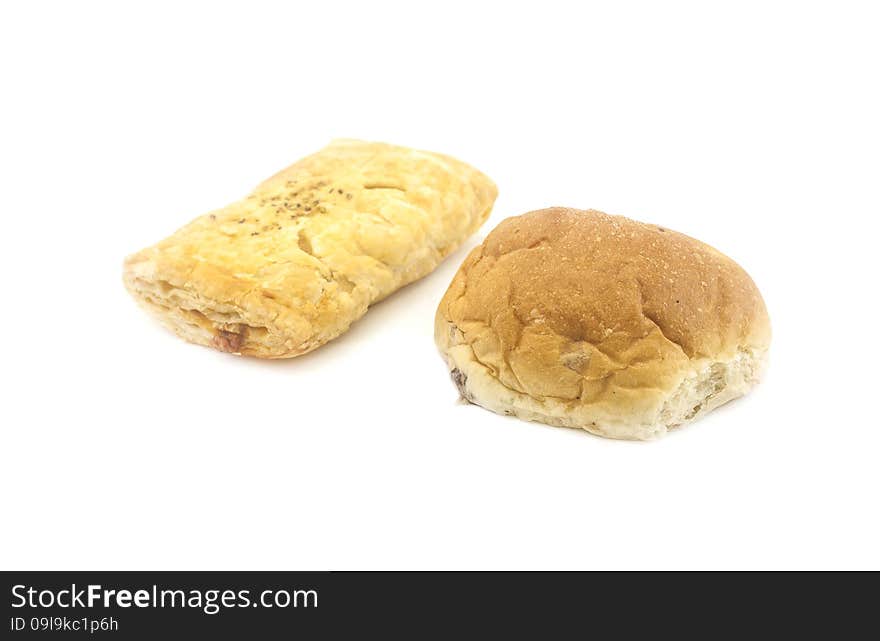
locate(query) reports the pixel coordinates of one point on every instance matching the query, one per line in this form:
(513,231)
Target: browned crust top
(559,297)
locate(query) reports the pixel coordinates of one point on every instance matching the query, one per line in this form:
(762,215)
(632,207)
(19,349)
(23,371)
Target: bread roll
(293,264)
(581,319)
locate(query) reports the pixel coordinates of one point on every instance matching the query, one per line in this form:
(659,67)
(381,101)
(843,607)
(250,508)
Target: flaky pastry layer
(293,264)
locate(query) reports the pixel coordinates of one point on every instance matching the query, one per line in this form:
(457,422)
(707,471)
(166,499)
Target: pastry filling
(227,341)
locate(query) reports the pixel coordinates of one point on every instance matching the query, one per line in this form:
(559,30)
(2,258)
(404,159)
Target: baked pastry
(581,319)
(292,265)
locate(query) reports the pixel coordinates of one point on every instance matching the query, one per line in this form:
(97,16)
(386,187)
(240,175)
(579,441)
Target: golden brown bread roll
(293,264)
(581,319)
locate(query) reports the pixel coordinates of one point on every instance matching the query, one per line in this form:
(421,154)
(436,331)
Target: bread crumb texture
(293,264)
(582,319)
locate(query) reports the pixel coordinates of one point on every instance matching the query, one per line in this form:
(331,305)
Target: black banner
(264,605)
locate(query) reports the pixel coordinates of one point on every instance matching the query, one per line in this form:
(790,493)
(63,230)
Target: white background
(752,126)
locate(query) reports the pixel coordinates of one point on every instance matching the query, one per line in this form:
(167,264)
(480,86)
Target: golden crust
(582,319)
(292,265)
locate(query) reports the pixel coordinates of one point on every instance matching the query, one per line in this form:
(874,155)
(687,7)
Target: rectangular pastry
(293,264)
